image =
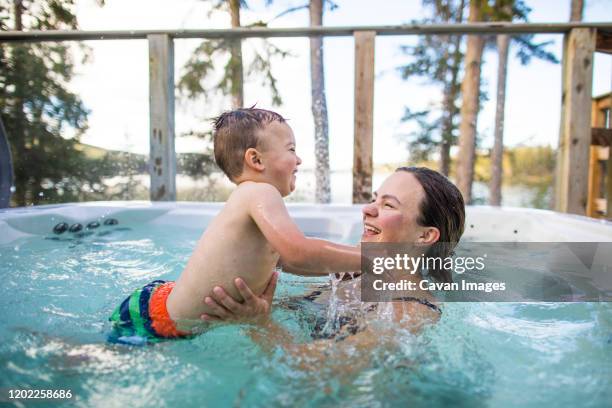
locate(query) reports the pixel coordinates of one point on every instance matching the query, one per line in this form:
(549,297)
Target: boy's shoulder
(251,193)
(254,189)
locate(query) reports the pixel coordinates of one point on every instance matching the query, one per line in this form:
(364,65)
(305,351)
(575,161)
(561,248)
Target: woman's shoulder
(430,303)
(414,313)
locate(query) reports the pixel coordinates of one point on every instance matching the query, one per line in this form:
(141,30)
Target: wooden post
(6,169)
(601,140)
(162,157)
(609,183)
(594,180)
(594,173)
(364,116)
(609,162)
(575,137)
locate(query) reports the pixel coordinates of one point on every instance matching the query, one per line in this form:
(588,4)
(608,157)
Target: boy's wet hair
(236,131)
(443,208)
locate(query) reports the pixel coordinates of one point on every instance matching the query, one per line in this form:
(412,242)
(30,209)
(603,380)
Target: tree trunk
(319,107)
(445,153)
(450,111)
(497,156)
(450,95)
(470,89)
(576,10)
(236,58)
(17,13)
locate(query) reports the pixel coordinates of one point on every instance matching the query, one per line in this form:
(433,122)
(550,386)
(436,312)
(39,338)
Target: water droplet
(13,189)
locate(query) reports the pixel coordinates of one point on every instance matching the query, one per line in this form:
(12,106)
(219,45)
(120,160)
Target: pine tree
(507,10)
(483,10)
(319,106)
(437,58)
(38,108)
(470,91)
(200,67)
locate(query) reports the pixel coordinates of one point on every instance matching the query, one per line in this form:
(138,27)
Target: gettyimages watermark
(489,272)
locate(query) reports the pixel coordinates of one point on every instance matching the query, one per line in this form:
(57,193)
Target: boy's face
(279,157)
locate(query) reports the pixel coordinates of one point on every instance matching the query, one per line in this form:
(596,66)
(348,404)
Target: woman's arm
(255,309)
(269,334)
(342,357)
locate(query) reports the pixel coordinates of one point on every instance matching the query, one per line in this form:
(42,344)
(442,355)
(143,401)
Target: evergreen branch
(289,11)
(527,49)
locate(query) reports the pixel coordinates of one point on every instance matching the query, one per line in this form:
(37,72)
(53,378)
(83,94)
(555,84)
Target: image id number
(40,394)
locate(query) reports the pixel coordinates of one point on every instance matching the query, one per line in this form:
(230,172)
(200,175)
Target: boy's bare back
(232,246)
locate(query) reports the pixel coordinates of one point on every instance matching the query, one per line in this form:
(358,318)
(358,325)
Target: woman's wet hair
(443,208)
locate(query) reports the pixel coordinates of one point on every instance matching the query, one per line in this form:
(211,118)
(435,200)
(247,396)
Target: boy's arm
(296,271)
(309,256)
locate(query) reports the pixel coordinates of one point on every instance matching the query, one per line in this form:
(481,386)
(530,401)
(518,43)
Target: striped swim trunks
(143,317)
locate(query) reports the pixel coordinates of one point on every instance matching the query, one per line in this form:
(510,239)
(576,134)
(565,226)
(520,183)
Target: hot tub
(343,222)
(59,289)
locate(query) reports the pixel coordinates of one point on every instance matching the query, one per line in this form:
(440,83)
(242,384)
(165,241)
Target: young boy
(251,235)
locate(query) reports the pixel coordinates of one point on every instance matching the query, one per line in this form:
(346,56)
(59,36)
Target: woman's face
(392,214)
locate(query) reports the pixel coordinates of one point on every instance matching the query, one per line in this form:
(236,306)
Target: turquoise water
(57,295)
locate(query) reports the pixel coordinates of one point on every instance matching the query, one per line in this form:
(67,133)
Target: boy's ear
(252,158)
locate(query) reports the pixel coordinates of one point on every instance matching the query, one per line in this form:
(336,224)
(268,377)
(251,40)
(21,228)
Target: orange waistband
(161,322)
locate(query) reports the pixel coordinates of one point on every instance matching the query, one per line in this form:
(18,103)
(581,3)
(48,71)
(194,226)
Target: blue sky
(114,84)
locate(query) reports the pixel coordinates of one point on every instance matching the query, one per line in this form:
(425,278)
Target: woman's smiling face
(392,214)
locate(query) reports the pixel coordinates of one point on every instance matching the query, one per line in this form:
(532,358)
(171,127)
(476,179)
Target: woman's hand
(254,309)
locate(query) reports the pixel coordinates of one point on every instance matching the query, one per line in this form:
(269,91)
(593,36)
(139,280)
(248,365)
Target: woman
(413,205)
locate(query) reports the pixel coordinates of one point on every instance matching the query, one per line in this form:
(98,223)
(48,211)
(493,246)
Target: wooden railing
(599,203)
(581,41)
